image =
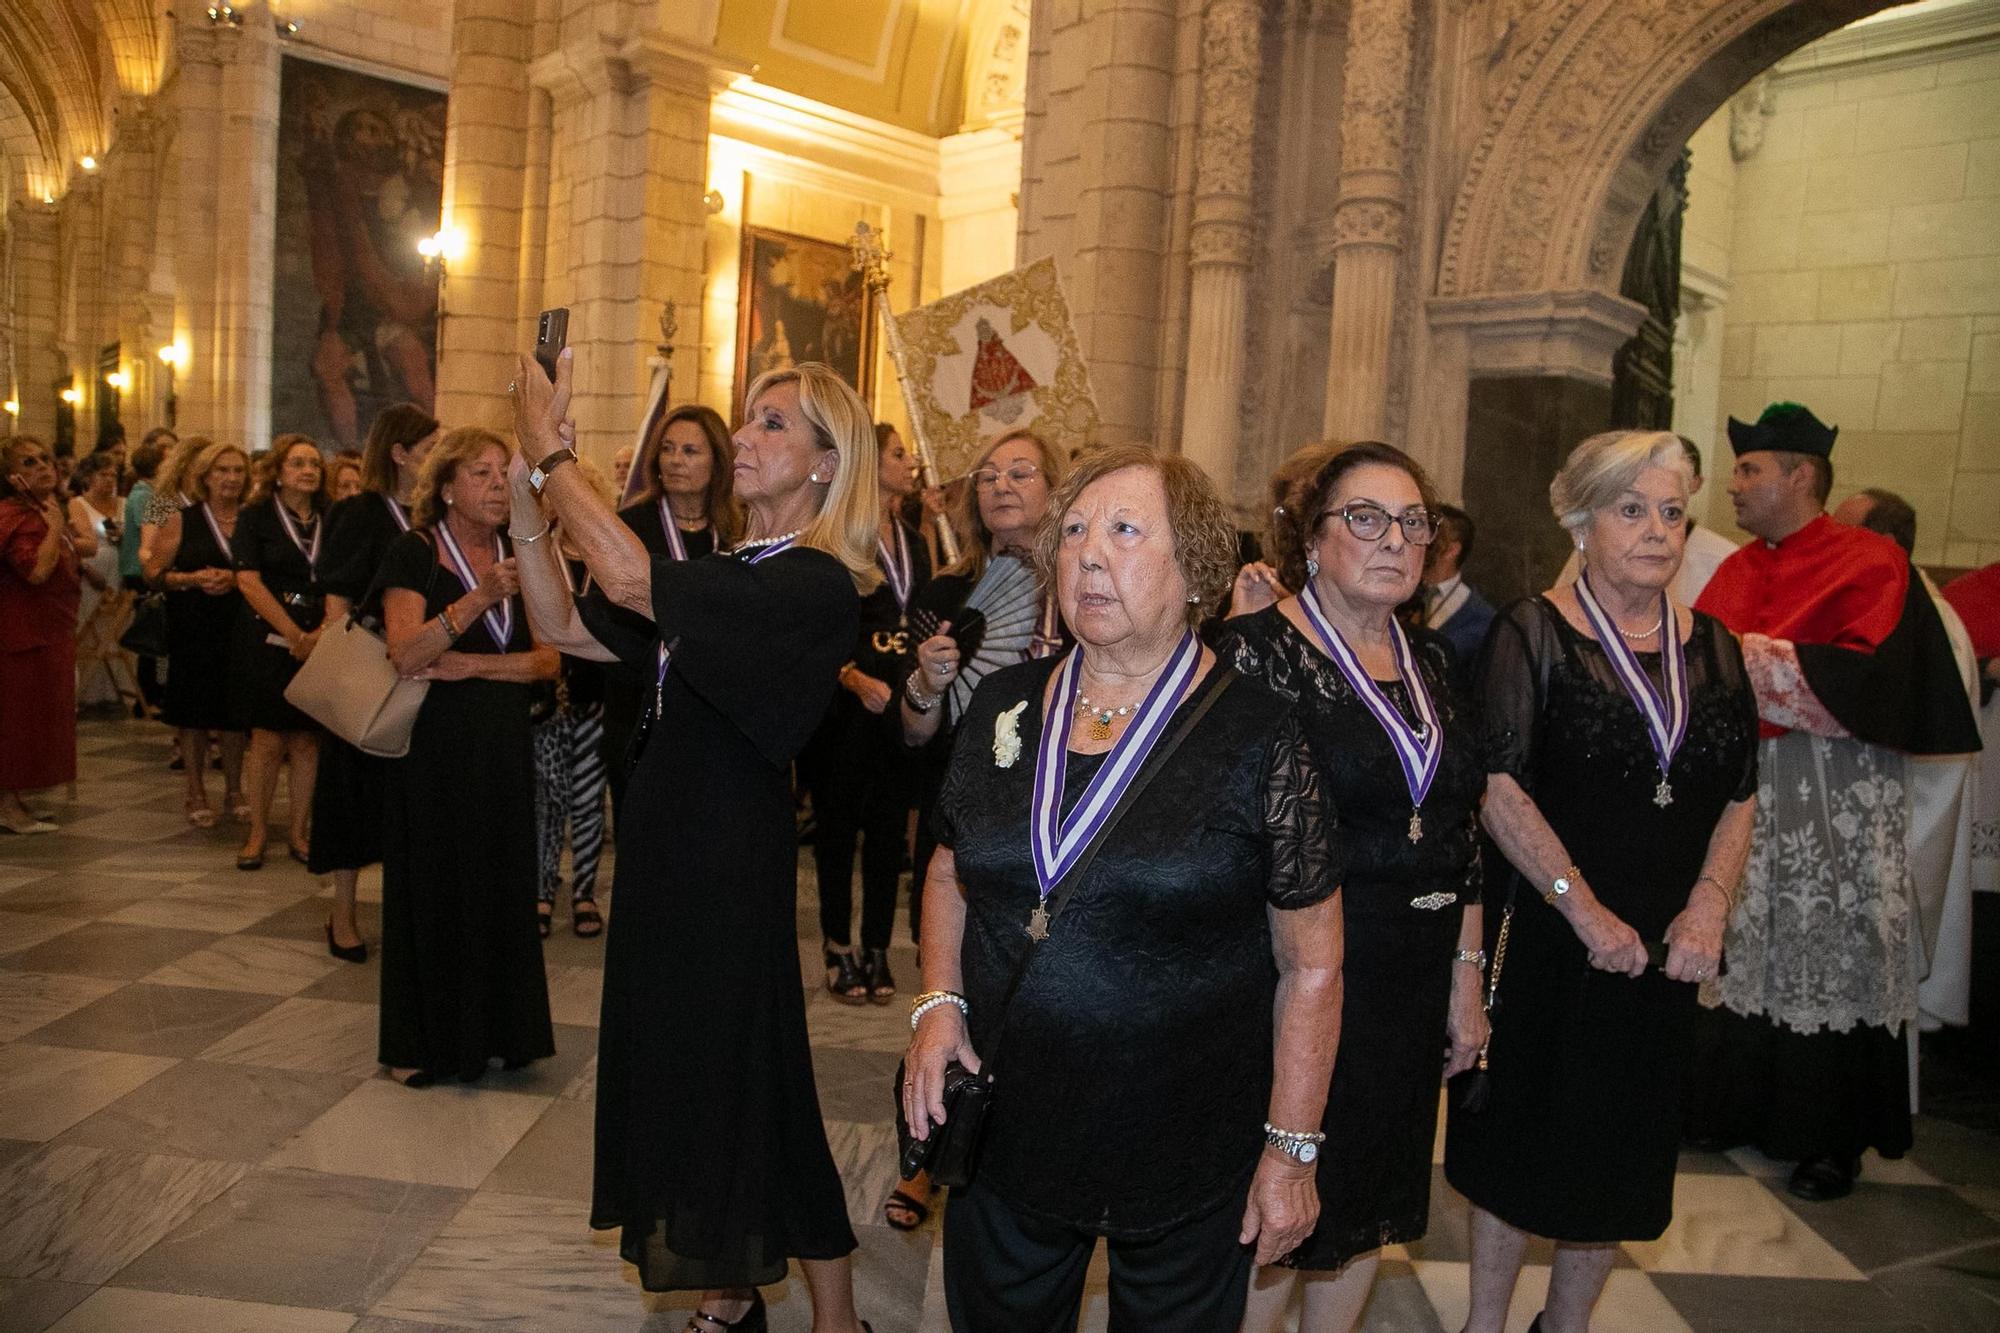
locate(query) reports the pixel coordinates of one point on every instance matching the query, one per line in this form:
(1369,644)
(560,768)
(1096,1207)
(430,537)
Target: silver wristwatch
(1301,1148)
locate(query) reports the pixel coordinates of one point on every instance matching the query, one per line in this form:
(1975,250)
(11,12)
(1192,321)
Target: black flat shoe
(357,953)
(752,1320)
(422,1078)
(1820,1179)
(255,862)
(301,857)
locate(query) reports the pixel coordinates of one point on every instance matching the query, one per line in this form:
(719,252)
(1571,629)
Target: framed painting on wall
(802,300)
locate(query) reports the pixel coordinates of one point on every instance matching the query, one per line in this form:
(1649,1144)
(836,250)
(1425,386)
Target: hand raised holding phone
(541,400)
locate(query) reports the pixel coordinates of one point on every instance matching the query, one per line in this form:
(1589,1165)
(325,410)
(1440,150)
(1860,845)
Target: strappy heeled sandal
(876,976)
(843,977)
(752,1320)
(584,920)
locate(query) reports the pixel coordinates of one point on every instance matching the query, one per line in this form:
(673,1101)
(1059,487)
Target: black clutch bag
(951,1153)
(147,634)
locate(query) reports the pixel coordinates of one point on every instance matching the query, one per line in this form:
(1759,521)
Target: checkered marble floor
(194,1136)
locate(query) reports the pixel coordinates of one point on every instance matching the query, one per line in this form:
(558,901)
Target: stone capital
(1216,242)
(1568,333)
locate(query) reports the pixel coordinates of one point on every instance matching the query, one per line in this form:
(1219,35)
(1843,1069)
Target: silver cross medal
(1038,923)
(1416,825)
(1663,795)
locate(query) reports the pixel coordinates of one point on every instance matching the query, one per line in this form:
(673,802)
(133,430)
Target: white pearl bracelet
(927,1002)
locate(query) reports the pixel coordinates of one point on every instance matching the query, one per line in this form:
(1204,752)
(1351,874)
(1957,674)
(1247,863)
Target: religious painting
(997,357)
(802,300)
(354,306)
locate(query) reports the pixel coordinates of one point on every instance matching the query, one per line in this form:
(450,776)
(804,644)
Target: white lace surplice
(1821,938)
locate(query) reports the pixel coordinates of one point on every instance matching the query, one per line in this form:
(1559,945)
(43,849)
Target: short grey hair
(1607,465)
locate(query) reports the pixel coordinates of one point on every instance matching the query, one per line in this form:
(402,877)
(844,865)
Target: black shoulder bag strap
(1211,690)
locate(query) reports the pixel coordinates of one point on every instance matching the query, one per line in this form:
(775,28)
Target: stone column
(479,325)
(31,269)
(1220,242)
(1368,217)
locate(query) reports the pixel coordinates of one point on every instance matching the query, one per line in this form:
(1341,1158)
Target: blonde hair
(171,478)
(441,464)
(850,509)
(978,550)
(194,476)
(1204,532)
(1607,465)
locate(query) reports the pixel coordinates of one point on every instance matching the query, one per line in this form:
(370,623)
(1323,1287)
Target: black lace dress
(1134,1072)
(1580,1136)
(1402,903)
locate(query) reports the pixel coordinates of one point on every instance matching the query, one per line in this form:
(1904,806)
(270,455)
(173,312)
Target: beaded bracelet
(930,1000)
(918,700)
(450,627)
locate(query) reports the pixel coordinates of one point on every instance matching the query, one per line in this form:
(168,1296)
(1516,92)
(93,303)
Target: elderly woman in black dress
(347,798)
(712,1160)
(1400,761)
(1175,991)
(277,571)
(1620,746)
(190,553)
(462,978)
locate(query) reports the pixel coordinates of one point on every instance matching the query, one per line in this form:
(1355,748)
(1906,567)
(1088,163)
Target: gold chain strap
(1493,978)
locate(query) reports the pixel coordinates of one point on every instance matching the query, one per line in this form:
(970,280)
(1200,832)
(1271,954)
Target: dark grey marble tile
(855,1085)
(299,1238)
(306,919)
(575,1048)
(1878,1225)
(145,1019)
(360,983)
(1960,1294)
(1953,1153)
(1713,1304)
(553,1159)
(106,949)
(13,1148)
(29,1305)
(223,1112)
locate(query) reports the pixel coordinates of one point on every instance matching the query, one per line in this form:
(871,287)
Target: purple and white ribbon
(215,530)
(1418,749)
(1666,717)
(310,550)
(676,544)
(1059,841)
(897,566)
(500,616)
(398,511)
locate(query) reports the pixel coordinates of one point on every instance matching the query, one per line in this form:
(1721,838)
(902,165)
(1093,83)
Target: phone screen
(551,334)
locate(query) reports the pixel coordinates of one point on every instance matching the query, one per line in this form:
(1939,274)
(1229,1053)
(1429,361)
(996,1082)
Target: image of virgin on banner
(354,306)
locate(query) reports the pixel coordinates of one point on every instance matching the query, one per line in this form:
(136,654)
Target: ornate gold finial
(669,326)
(870,259)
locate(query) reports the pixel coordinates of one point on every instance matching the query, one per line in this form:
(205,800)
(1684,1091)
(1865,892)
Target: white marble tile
(865,1156)
(856,1027)
(46,1089)
(78,1214)
(1629,1300)
(30,999)
(128,826)
(202,906)
(1733,1225)
(574,994)
(441,1135)
(320,1036)
(514,1262)
(1875,1168)
(267,965)
(116,1310)
(24,930)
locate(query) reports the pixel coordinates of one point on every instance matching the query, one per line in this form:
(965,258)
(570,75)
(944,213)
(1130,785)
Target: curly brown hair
(1302,519)
(1204,532)
(441,464)
(1283,549)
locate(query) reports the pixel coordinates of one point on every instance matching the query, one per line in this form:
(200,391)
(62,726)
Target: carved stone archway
(1591,101)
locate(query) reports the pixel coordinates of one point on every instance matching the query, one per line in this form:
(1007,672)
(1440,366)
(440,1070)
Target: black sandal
(907,1203)
(875,974)
(545,916)
(844,980)
(584,920)
(752,1320)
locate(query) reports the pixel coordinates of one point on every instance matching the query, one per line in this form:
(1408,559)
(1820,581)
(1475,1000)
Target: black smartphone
(551,335)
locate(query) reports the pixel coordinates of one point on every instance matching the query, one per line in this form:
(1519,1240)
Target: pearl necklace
(1644,633)
(1101,718)
(758,543)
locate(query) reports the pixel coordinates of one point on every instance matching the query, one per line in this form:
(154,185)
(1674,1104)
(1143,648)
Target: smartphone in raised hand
(551,335)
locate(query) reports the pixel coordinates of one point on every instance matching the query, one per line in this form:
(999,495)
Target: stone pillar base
(1518,432)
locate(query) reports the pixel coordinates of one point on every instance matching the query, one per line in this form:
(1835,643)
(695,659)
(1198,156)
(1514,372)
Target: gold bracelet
(450,626)
(1728,898)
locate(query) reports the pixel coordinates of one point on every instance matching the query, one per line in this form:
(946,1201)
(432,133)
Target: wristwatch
(1563,884)
(538,475)
(1301,1148)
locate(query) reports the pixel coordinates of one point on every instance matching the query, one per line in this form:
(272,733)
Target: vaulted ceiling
(62,64)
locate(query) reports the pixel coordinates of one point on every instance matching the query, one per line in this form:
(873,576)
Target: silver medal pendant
(1416,825)
(1663,795)
(1038,923)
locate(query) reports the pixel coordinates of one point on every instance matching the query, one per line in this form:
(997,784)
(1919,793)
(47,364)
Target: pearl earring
(1312,568)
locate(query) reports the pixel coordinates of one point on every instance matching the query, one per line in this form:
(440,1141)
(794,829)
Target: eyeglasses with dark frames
(1369,522)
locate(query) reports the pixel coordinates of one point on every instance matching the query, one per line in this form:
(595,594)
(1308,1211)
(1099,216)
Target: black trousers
(860,785)
(1006,1272)
(148,672)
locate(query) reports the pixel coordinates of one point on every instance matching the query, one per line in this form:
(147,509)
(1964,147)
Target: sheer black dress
(1134,1072)
(711,1157)
(625,687)
(201,634)
(1402,903)
(347,794)
(1579,1139)
(264,668)
(462,977)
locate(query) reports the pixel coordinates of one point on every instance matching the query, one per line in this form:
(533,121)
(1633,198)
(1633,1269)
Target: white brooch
(1007,735)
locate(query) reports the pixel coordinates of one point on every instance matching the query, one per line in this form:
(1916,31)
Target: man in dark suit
(1456,610)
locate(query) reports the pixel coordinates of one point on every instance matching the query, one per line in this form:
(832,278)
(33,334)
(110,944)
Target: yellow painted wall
(899,61)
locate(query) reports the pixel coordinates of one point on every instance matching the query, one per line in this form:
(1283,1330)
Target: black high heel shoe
(844,980)
(876,976)
(752,1320)
(357,953)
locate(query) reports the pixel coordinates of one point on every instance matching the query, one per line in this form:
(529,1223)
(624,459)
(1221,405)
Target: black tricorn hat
(1787,427)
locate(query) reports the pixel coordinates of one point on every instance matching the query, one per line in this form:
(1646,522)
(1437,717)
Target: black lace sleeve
(1726,657)
(1307,858)
(1513,681)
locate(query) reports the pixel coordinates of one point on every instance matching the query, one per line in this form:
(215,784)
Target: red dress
(37,656)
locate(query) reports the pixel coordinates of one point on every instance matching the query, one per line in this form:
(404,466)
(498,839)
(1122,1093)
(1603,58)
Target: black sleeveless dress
(263,668)
(201,634)
(1582,1130)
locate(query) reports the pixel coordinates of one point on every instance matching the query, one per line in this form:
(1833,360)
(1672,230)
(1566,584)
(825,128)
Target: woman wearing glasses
(1399,761)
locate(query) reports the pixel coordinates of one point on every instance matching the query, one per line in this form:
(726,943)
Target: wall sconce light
(714,202)
(48,196)
(172,355)
(71,396)
(286,27)
(12,407)
(448,244)
(225,14)
(119,380)
(87,162)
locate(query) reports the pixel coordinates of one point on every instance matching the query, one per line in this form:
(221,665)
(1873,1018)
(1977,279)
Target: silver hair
(1607,465)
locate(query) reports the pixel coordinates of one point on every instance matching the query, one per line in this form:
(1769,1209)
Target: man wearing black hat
(1801,1052)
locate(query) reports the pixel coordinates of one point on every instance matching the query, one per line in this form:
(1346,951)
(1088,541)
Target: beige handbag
(350,687)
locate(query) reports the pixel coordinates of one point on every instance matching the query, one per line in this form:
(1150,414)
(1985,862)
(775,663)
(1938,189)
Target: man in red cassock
(1801,1050)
